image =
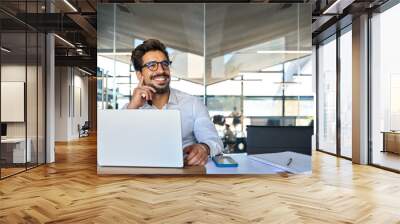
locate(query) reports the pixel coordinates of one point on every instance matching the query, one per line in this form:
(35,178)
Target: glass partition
(385,89)
(13,95)
(255,73)
(259,72)
(346,92)
(179,28)
(22,90)
(327,97)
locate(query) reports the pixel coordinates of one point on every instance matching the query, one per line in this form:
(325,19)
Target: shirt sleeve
(125,106)
(204,130)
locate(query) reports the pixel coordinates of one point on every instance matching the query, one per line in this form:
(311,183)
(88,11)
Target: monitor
(3,129)
(272,139)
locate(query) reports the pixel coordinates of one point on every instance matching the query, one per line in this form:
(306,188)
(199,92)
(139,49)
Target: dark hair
(142,49)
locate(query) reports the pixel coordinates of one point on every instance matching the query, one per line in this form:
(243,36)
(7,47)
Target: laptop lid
(140,138)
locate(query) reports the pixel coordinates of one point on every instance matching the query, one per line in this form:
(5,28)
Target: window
(346,93)
(385,88)
(327,95)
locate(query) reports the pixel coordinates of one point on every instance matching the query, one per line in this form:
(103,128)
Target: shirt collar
(173,99)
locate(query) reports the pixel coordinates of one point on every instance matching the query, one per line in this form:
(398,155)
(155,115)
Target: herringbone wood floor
(69,191)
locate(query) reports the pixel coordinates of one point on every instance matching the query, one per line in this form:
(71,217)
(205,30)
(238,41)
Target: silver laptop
(139,138)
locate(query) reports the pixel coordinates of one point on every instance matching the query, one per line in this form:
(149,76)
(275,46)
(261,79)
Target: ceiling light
(116,53)
(86,72)
(337,7)
(5,50)
(70,5)
(284,52)
(64,40)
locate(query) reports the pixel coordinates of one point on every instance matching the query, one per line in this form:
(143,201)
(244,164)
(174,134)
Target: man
(152,65)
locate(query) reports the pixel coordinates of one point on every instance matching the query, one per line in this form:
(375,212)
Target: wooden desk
(391,141)
(246,166)
(17,152)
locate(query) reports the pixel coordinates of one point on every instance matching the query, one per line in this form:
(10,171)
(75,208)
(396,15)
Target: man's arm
(204,130)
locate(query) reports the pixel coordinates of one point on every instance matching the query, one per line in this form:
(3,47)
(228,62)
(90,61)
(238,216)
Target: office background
(356,108)
(44,95)
(22,77)
(247,74)
(62,57)
(335,69)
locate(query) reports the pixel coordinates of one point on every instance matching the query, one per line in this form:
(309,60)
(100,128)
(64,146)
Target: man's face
(160,78)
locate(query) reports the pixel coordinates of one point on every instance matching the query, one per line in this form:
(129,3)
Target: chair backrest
(271,139)
(86,125)
(219,119)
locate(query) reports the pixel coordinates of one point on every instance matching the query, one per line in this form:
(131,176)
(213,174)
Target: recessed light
(5,50)
(70,5)
(64,40)
(284,52)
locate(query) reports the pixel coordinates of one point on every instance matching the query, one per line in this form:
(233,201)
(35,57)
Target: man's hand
(197,155)
(140,95)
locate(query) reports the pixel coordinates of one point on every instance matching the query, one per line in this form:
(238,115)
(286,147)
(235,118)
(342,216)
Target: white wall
(33,127)
(71,102)
(62,82)
(16,73)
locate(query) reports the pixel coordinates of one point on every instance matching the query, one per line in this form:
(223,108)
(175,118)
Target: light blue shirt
(195,120)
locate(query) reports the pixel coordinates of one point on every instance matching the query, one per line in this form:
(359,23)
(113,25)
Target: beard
(160,89)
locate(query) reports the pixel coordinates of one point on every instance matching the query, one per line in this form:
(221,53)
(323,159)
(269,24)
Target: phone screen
(224,160)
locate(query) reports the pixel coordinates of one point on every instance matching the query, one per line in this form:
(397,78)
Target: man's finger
(187,149)
(141,80)
(141,93)
(150,88)
(194,161)
(145,93)
(204,162)
(200,160)
(197,159)
(193,153)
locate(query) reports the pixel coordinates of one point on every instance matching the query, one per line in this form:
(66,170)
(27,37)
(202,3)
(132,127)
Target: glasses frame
(165,64)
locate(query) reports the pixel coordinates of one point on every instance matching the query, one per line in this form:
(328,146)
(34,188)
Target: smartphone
(224,161)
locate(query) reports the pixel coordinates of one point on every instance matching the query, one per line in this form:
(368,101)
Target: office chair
(84,130)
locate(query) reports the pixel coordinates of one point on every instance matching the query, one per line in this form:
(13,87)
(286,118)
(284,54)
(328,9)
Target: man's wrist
(205,147)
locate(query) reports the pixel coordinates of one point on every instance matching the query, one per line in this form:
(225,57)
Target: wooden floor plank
(70,191)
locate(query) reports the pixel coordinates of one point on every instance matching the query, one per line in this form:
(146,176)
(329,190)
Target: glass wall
(346,92)
(181,32)
(257,73)
(247,75)
(22,90)
(385,89)
(273,98)
(327,95)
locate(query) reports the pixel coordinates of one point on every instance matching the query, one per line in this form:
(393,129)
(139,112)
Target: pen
(289,162)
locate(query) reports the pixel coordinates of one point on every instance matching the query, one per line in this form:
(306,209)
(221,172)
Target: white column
(50,100)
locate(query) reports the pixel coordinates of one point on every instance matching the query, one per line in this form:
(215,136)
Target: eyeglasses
(153,65)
